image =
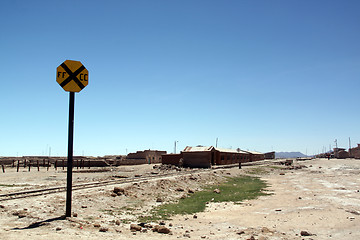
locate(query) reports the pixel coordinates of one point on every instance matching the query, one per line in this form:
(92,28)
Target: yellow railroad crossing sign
(72,76)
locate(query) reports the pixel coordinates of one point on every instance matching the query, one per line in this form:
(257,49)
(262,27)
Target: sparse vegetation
(126,220)
(235,189)
(275,167)
(257,171)
(128,209)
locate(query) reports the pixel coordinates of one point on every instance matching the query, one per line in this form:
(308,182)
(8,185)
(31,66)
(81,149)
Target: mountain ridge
(289,155)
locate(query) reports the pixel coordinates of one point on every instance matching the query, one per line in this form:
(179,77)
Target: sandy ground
(321,198)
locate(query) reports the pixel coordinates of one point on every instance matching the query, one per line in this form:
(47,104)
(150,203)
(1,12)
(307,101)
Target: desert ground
(313,199)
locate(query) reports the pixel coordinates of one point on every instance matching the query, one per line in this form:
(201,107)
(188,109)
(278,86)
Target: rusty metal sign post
(72,77)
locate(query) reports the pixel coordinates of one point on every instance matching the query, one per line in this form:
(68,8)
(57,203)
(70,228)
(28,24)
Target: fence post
(48,165)
(25,163)
(29,165)
(38,166)
(63,164)
(18,165)
(55,165)
(3,168)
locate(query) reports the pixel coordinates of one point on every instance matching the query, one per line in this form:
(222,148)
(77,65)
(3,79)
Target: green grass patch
(257,171)
(235,189)
(275,167)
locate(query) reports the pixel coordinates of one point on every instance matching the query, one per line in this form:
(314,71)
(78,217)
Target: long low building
(205,157)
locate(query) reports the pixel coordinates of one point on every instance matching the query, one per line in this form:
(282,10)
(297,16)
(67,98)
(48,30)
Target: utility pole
(175,146)
(216,142)
(349,147)
(336,149)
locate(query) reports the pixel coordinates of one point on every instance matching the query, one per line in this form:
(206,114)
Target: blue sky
(260,75)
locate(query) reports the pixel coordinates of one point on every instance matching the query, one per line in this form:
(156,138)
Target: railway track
(75,187)
(82,186)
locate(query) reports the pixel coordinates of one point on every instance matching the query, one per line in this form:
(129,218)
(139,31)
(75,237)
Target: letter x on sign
(72,76)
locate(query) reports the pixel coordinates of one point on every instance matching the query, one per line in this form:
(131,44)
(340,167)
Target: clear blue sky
(260,75)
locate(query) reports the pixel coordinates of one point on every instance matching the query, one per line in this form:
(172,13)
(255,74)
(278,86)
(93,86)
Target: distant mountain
(289,155)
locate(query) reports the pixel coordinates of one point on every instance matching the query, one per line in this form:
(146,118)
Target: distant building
(229,156)
(256,156)
(172,159)
(208,156)
(202,157)
(343,154)
(340,153)
(205,157)
(355,152)
(269,155)
(146,156)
